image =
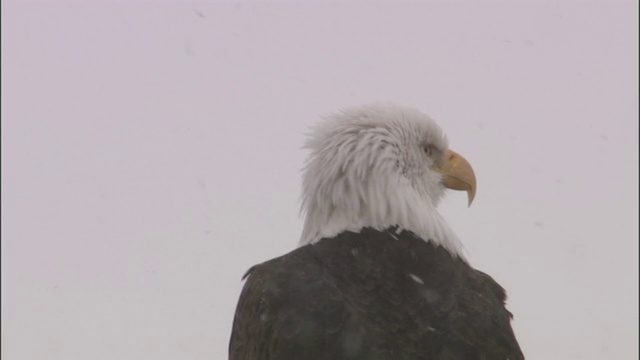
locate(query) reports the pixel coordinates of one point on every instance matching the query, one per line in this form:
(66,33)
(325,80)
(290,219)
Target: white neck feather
(326,221)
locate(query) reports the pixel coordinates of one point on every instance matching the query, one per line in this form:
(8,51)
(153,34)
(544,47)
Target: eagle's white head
(378,166)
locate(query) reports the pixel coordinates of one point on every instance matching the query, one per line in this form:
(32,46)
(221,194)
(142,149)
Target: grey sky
(151,154)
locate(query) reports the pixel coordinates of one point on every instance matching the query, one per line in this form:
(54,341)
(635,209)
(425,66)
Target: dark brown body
(371,295)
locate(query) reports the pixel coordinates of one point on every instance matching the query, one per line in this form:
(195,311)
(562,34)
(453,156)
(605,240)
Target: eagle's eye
(428,149)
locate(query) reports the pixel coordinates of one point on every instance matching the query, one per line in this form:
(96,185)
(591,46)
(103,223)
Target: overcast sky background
(151,155)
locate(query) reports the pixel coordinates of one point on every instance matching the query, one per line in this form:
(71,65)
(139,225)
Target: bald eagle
(378,273)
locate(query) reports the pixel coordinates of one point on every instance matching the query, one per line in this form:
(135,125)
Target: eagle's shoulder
(372,294)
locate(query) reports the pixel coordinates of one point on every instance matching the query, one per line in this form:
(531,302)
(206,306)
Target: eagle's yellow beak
(458,173)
